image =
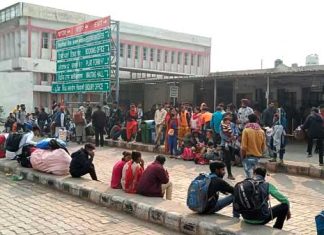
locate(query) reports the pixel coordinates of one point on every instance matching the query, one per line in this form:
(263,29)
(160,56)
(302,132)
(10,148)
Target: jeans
(222,203)
(228,157)
(249,164)
(172,142)
(310,145)
(280,212)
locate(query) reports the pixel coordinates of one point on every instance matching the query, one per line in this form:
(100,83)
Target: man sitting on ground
(81,163)
(217,185)
(260,213)
(155,180)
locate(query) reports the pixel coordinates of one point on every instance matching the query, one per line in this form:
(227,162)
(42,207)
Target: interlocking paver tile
(50,212)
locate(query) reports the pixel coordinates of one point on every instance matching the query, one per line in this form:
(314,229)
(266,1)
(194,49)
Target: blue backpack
(319,219)
(197,197)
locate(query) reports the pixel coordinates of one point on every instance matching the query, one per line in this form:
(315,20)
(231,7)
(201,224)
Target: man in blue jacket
(215,124)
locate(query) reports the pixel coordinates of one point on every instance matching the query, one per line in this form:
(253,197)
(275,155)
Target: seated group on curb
(250,197)
(130,175)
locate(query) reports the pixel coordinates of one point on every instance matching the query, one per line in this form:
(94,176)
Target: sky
(243,32)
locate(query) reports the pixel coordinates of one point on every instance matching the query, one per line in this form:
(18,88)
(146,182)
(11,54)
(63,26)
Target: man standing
(252,145)
(59,120)
(42,118)
(155,180)
(88,112)
(80,125)
(216,122)
(159,119)
(81,163)
(243,113)
(268,114)
(21,117)
(315,126)
(98,122)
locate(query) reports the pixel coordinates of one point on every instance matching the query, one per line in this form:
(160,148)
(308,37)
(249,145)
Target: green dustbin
(146,128)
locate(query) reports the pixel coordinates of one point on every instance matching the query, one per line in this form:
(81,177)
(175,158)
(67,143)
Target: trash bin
(150,131)
(319,219)
(145,132)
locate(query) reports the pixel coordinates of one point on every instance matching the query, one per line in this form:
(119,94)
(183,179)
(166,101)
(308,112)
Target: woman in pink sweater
(118,169)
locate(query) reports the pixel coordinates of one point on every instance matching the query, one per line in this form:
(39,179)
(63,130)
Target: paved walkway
(306,194)
(28,208)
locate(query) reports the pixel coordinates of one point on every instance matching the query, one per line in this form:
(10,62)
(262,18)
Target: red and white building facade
(28,55)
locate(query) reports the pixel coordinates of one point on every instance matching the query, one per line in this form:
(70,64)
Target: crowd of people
(221,139)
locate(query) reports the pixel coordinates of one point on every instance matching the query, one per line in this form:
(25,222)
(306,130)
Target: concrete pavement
(28,208)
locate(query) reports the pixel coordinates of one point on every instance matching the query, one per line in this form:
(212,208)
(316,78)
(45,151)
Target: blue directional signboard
(83,58)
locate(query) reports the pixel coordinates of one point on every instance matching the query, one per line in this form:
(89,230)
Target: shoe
(309,155)
(273,160)
(230,177)
(281,162)
(321,164)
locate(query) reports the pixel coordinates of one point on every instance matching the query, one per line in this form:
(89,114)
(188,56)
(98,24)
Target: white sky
(243,31)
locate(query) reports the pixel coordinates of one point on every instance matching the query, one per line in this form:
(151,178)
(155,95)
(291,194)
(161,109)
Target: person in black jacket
(99,123)
(216,186)
(81,163)
(314,125)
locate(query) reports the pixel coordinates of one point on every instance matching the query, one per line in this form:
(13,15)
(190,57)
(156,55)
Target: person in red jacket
(155,180)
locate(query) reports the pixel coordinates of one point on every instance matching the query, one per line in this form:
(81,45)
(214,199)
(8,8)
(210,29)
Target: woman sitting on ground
(132,172)
(118,170)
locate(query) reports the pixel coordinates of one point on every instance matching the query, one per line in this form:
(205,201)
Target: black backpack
(24,158)
(251,199)
(13,141)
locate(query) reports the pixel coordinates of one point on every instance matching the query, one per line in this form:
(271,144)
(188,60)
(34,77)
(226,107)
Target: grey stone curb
(186,224)
(290,168)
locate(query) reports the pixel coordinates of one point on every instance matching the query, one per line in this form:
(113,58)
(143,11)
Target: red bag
(2,148)
(78,118)
(200,160)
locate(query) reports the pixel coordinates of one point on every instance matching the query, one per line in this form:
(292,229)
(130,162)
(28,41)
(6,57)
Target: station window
(45,38)
(179,57)
(166,54)
(192,60)
(53,40)
(172,57)
(129,51)
(144,53)
(152,54)
(198,60)
(186,58)
(121,53)
(158,55)
(136,52)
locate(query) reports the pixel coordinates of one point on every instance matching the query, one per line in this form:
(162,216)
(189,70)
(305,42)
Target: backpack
(197,198)
(251,199)
(78,119)
(13,141)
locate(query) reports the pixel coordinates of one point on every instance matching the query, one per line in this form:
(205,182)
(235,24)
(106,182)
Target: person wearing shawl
(131,122)
(132,172)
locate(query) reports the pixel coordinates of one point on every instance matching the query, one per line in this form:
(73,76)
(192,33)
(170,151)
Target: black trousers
(99,132)
(280,212)
(228,157)
(310,145)
(91,170)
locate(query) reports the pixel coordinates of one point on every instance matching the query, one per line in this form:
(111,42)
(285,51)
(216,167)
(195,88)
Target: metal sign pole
(117,62)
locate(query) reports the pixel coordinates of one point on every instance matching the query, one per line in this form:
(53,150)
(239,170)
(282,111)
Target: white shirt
(159,116)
